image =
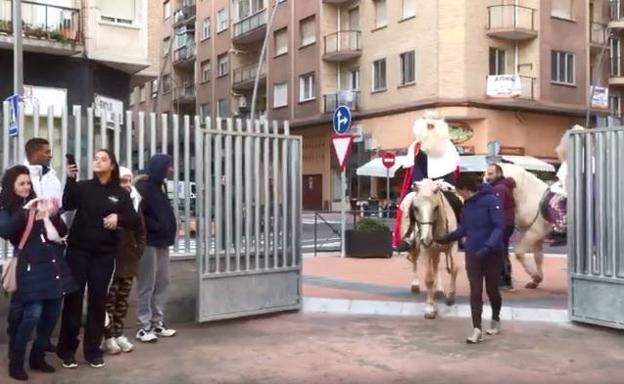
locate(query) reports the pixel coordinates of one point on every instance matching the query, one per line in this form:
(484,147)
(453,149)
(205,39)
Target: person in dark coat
(102,207)
(43,277)
(129,252)
(503,188)
(162,227)
(482,224)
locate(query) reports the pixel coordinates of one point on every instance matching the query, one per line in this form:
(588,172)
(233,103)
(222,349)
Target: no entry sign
(388,159)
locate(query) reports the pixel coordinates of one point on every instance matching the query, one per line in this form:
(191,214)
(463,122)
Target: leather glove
(483,252)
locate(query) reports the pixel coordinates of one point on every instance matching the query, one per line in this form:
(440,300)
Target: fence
(133,137)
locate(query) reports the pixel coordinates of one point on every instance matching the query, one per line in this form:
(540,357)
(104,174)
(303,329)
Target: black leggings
(487,267)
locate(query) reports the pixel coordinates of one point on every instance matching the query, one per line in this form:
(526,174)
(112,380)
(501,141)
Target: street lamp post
(18,55)
(590,95)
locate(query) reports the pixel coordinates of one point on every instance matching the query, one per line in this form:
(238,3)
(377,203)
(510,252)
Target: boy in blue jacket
(483,225)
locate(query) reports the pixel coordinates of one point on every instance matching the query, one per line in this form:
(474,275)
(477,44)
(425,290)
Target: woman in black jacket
(102,207)
(43,277)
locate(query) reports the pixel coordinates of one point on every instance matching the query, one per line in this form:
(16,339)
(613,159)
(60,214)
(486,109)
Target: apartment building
(390,60)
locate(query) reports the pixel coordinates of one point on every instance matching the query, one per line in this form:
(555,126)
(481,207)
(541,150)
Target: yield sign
(342,147)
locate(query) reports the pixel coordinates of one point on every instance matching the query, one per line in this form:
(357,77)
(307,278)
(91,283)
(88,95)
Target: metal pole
(261,61)
(590,95)
(387,186)
(343,218)
(18,55)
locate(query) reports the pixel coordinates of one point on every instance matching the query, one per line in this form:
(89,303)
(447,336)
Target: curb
(397,308)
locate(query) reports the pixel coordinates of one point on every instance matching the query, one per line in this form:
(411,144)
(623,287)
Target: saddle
(544,206)
(455,203)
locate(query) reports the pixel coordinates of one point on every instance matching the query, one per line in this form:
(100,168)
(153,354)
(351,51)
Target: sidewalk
(298,348)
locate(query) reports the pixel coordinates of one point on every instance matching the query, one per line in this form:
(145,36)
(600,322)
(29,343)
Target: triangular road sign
(342,147)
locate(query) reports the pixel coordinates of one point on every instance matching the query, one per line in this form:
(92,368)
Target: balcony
(616,14)
(243,78)
(504,87)
(185,15)
(527,88)
(250,29)
(511,22)
(185,94)
(184,56)
(337,2)
(47,28)
(616,71)
(331,101)
(598,37)
(342,46)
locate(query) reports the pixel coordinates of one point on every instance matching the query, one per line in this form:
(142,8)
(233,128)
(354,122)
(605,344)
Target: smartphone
(71,159)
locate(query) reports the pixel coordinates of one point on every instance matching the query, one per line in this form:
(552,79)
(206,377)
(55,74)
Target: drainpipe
(516,53)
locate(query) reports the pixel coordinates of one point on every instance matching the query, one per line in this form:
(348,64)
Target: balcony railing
(333,100)
(616,67)
(185,92)
(343,41)
(184,53)
(510,17)
(43,21)
(185,13)
(249,23)
(616,9)
(246,74)
(598,33)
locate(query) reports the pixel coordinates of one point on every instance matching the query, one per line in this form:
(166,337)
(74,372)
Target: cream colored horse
(530,223)
(431,217)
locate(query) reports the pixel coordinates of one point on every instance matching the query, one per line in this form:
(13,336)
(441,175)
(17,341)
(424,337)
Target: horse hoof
(430,316)
(415,289)
(531,285)
(450,300)
(439,295)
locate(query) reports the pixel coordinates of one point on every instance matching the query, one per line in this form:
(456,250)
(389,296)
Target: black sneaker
(42,366)
(70,363)
(98,362)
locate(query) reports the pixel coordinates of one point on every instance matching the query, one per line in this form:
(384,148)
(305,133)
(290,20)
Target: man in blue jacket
(161,227)
(483,225)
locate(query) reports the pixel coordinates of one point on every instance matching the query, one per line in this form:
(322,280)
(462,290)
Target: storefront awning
(375,167)
(478,163)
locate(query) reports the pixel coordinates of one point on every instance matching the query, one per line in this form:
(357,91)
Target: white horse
(530,223)
(431,217)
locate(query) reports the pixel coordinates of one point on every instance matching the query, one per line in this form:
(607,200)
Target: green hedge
(370,225)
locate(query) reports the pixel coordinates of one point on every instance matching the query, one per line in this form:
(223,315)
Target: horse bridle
(449,261)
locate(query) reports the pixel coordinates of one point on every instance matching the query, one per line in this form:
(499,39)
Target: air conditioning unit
(242,102)
(370,144)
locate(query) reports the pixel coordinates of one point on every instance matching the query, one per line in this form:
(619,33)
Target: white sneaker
(125,345)
(477,337)
(162,331)
(495,328)
(111,347)
(146,336)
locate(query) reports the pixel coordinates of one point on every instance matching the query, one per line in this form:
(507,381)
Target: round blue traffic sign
(342,119)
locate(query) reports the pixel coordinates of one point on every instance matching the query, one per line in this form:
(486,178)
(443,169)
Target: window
(154,88)
(614,52)
(307,28)
(379,75)
(354,78)
(181,38)
(280,95)
(166,88)
(222,20)
(222,108)
(497,61)
(204,111)
(117,11)
(562,9)
(165,46)
(408,67)
(409,8)
(380,13)
(306,87)
(281,41)
(167,9)
(222,65)
(133,94)
(143,93)
(615,106)
(206,28)
(205,71)
(245,8)
(562,67)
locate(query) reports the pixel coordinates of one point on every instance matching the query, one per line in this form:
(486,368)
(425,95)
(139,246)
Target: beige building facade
(389,61)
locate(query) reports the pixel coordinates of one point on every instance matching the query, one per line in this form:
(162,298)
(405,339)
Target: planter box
(368,244)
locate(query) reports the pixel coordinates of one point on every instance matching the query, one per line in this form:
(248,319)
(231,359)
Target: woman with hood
(129,251)
(482,224)
(36,231)
(102,207)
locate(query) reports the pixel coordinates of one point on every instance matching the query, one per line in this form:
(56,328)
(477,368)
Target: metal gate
(596,226)
(249,250)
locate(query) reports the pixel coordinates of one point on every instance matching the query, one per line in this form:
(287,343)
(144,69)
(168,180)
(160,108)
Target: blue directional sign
(342,120)
(14,115)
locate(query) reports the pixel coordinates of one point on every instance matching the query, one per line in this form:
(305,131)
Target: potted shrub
(6,26)
(58,36)
(369,238)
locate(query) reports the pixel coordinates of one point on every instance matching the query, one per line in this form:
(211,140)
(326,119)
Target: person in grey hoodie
(161,227)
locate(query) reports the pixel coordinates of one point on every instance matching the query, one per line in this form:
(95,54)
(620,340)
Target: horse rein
(449,260)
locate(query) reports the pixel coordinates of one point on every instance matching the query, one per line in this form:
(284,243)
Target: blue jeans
(25,317)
